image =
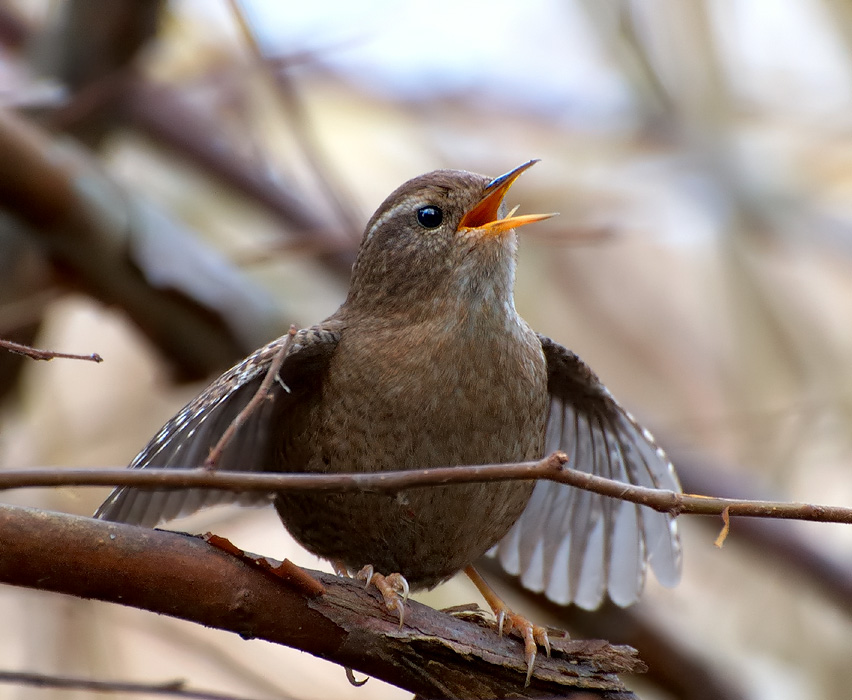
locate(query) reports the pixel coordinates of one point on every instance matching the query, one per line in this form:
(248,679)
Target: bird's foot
(509,622)
(533,635)
(393,587)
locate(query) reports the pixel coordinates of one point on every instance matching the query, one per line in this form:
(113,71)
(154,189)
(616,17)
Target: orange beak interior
(483,217)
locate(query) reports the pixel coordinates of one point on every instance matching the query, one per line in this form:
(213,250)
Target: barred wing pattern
(576,546)
(186,440)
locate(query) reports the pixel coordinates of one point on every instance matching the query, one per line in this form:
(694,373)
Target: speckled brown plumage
(475,405)
(429,371)
(427,363)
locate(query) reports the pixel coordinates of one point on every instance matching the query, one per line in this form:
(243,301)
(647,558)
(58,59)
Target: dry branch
(434,654)
(124,252)
(679,670)
(293,109)
(552,468)
(792,549)
(169,688)
(37,354)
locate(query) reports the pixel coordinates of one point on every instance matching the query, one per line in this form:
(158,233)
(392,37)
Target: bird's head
(439,236)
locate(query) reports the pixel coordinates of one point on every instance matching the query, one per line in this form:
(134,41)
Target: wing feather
(581,547)
(186,440)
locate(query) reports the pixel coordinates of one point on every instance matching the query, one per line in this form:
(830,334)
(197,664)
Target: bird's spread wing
(577,546)
(187,439)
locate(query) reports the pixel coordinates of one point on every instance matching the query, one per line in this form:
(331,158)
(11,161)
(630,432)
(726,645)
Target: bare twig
(47,355)
(551,468)
(434,654)
(794,550)
(293,108)
(259,397)
(170,688)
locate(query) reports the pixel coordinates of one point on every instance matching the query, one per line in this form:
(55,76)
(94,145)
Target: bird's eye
(430,217)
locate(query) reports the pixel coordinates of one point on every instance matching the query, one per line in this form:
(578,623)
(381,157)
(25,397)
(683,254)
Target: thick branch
(435,654)
(126,253)
(551,468)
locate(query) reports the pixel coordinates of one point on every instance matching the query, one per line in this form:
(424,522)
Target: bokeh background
(224,157)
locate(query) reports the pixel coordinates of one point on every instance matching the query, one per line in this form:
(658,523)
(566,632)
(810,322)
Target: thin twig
(46,355)
(294,110)
(259,397)
(551,468)
(172,688)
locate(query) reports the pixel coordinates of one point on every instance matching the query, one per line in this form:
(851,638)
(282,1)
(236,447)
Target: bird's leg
(509,621)
(393,587)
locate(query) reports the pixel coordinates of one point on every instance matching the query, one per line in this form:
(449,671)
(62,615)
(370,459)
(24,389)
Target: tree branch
(434,654)
(125,252)
(551,468)
(168,688)
(794,550)
(36,354)
(293,108)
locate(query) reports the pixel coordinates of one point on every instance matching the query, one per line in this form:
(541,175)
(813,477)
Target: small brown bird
(428,364)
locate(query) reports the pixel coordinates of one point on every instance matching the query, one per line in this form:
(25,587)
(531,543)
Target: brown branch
(92,49)
(434,654)
(551,468)
(14,31)
(170,688)
(793,549)
(166,117)
(161,113)
(47,355)
(126,253)
(259,397)
(680,670)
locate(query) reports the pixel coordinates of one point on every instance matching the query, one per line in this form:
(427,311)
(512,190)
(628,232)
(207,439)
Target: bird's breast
(429,396)
(413,398)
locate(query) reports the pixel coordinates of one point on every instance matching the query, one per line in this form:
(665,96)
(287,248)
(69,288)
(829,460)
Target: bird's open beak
(483,217)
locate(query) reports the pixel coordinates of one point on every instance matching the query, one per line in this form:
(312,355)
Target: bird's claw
(508,621)
(393,587)
(365,575)
(501,618)
(533,636)
(340,568)
(400,585)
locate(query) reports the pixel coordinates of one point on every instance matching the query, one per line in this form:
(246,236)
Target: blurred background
(180,181)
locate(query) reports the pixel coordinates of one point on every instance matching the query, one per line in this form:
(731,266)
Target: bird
(427,363)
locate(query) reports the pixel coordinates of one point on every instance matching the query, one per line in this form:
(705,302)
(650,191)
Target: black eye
(430,217)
